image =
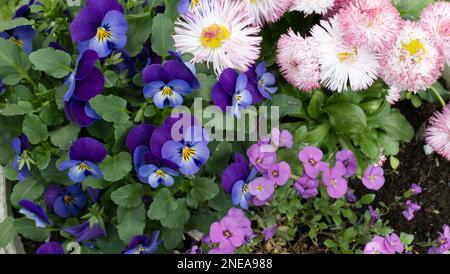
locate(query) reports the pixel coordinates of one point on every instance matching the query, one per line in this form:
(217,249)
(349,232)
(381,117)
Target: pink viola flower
(336,184)
(444,239)
(228,234)
(392,244)
(261,158)
(346,160)
(269,232)
(307,187)
(261,188)
(311,157)
(415,189)
(279,173)
(411,208)
(376,246)
(283,138)
(438,133)
(373,178)
(243,222)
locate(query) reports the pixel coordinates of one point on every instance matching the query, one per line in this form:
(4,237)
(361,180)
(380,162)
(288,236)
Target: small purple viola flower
(311,157)
(351,197)
(24,10)
(335,182)
(93,193)
(444,239)
(158,176)
(260,158)
(307,187)
(227,233)
(84,156)
(411,208)
(269,232)
(143,244)
(100,26)
(34,212)
(373,178)
(415,189)
(22,36)
(374,215)
(243,222)
(347,160)
(186,6)
(71,201)
(279,173)
(240,194)
(2,88)
(375,246)
(22,161)
(194,250)
(283,138)
(261,188)
(50,248)
(264,80)
(236,172)
(392,244)
(86,232)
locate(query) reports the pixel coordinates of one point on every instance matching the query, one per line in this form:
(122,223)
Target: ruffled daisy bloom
(218,32)
(436,19)
(298,61)
(266,11)
(438,133)
(341,63)
(338,5)
(312,6)
(371,24)
(415,62)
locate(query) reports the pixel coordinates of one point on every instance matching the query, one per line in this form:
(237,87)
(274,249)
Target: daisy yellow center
(18,42)
(160,173)
(139,250)
(214,35)
(167,91)
(348,56)
(414,48)
(188,153)
(260,188)
(103,34)
(83,166)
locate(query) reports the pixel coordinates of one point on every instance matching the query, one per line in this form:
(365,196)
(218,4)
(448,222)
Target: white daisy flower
(313,6)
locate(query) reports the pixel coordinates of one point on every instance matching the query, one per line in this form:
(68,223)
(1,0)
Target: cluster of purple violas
(235,91)
(411,207)
(159,156)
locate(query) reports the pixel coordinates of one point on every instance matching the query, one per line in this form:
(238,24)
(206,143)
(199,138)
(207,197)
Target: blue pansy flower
(66,202)
(84,156)
(34,212)
(143,244)
(265,80)
(186,6)
(86,232)
(158,176)
(242,98)
(2,88)
(239,193)
(22,36)
(22,161)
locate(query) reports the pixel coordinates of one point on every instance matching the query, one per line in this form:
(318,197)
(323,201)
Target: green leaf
(162,205)
(65,136)
(406,239)
(27,228)
(131,222)
(7,231)
(162,31)
(396,126)
(346,117)
(367,199)
(317,135)
(315,105)
(41,157)
(111,108)
(51,116)
(368,145)
(12,24)
(51,61)
(204,189)
(395,163)
(139,27)
(116,167)
(128,196)
(206,84)
(35,129)
(219,157)
(411,9)
(172,238)
(14,63)
(21,108)
(29,189)
(178,217)
(287,104)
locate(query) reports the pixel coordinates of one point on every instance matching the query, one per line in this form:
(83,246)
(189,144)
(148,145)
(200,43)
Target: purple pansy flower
(2,88)
(22,161)
(311,157)
(100,26)
(24,10)
(80,112)
(158,176)
(261,188)
(260,158)
(240,194)
(335,182)
(347,160)
(415,189)
(307,187)
(186,6)
(392,244)
(143,244)
(264,80)
(68,203)
(269,232)
(373,178)
(22,36)
(283,138)
(279,173)
(444,239)
(374,215)
(227,233)
(86,232)
(351,197)
(237,171)
(34,212)
(84,156)
(50,248)
(411,208)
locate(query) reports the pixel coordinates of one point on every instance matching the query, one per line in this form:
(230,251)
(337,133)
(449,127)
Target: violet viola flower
(375,246)
(34,212)
(240,194)
(411,208)
(311,157)
(68,203)
(261,188)
(235,180)
(444,239)
(263,79)
(2,88)
(227,233)
(260,158)
(269,232)
(374,215)
(392,244)
(283,138)
(143,244)
(22,36)
(234,90)
(86,232)
(335,182)
(168,83)
(415,189)
(307,187)
(347,160)
(54,248)
(24,10)
(279,174)
(84,156)
(373,178)
(22,161)
(351,197)
(186,6)
(100,26)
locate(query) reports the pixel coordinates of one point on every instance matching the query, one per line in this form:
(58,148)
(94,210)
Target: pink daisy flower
(298,61)
(338,5)
(266,11)
(371,24)
(438,133)
(436,19)
(312,6)
(414,63)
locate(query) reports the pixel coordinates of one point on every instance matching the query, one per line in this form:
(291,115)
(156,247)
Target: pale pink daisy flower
(218,32)
(312,6)
(414,62)
(436,19)
(298,61)
(394,94)
(266,11)
(342,64)
(338,5)
(438,133)
(371,24)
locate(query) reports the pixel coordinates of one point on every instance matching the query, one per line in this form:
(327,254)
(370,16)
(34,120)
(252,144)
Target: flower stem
(438,96)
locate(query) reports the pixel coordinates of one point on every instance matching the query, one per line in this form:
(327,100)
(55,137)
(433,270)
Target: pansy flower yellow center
(414,48)
(139,250)
(68,199)
(160,173)
(245,188)
(103,34)
(83,166)
(18,42)
(214,35)
(167,91)
(238,98)
(188,153)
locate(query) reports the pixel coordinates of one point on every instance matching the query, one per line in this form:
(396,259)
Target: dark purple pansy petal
(233,173)
(75,112)
(251,75)
(85,24)
(140,135)
(84,232)
(22,11)
(57,46)
(91,86)
(156,72)
(180,71)
(240,158)
(93,193)
(50,248)
(160,136)
(136,241)
(253,89)
(228,80)
(103,6)
(51,194)
(87,149)
(220,97)
(86,64)
(34,208)
(24,143)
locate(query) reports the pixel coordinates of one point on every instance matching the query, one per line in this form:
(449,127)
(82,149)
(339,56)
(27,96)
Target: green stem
(438,96)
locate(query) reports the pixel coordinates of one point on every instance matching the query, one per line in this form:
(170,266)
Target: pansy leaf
(116,167)
(131,222)
(111,108)
(12,24)
(29,189)
(162,30)
(14,63)
(27,228)
(172,238)
(35,129)
(51,61)
(139,28)
(41,157)
(128,196)
(204,189)
(7,231)
(63,137)
(346,117)
(162,205)
(21,108)
(178,217)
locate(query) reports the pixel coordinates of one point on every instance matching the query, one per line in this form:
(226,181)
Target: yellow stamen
(245,188)
(349,56)
(103,34)
(214,35)
(238,98)
(18,42)
(414,48)
(194,4)
(372,178)
(83,166)
(160,173)
(167,91)
(139,250)
(333,182)
(68,199)
(188,153)
(260,188)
